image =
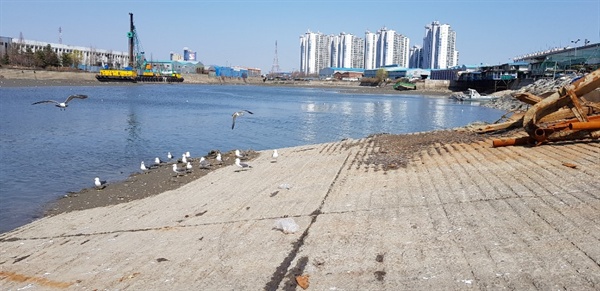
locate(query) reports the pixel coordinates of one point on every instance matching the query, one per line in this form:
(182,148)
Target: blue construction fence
(230,72)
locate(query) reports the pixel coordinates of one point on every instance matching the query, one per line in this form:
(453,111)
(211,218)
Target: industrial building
(92,59)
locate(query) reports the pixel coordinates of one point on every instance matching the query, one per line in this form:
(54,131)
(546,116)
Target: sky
(244,33)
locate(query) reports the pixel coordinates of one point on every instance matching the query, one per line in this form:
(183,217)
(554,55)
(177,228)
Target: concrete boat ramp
(457,217)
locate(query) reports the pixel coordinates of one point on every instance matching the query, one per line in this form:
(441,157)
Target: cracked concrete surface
(458,216)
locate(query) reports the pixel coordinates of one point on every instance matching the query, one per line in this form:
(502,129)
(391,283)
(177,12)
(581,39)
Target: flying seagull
(99,184)
(236,114)
(62,105)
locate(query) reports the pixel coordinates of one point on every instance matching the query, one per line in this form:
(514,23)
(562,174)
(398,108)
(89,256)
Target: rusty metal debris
(564,115)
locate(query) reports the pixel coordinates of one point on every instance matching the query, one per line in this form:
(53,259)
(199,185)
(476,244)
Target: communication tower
(275,69)
(60,35)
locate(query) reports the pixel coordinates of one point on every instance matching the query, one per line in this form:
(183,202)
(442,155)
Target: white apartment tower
(315,52)
(370,49)
(415,57)
(351,51)
(392,48)
(439,47)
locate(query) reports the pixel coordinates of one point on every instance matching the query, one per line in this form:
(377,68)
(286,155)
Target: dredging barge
(140,69)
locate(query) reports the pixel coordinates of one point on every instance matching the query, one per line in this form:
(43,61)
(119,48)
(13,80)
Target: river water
(47,152)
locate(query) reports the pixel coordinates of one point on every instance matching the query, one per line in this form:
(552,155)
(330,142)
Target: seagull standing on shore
(62,105)
(178,171)
(188,167)
(204,164)
(239,154)
(169,156)
(244,166)
(188,155)
(275,155)
(183,159)
(219,158)
(236,115)
(143,167)
(99,184)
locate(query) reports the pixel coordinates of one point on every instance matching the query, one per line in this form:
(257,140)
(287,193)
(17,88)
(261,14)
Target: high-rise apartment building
(415,57)
(439,47)
(351,51)
(384,48)
(315,52)
(392,48)
(370,50)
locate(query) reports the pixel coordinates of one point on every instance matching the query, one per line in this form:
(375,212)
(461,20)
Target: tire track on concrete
(281,271)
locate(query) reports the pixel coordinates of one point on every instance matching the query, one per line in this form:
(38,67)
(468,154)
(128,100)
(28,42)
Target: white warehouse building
(90,56)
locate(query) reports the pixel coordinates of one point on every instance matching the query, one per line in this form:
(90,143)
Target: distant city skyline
(243,33)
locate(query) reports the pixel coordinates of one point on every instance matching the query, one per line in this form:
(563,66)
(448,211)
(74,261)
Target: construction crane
(139,69)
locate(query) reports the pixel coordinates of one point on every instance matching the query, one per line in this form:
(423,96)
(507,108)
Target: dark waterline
(47,152)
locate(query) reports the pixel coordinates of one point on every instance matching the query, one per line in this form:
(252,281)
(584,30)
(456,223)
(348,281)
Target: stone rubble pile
(539,88)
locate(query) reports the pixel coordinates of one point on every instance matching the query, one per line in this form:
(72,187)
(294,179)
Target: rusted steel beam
(527,97)
(576,108)
(559,99)
(499,126)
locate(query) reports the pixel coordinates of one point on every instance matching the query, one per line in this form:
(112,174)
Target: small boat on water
(472,95)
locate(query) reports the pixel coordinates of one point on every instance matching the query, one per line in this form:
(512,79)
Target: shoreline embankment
(25,78)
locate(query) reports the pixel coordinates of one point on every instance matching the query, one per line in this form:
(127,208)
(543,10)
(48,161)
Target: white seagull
(187,155)
(62,105)
(219,158)
(188,167)
(204,164)
(238,154)
(241,165)
(275,155)
(236,115)
(178,171)
(99,184)
(183,158)
(157,161)
(143,167)
(169,156)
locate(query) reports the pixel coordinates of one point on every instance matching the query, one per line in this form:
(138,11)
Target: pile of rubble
(566,108)
(541,87)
